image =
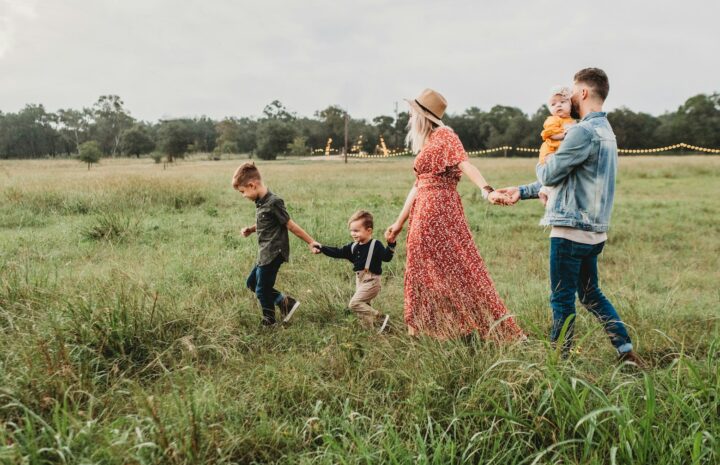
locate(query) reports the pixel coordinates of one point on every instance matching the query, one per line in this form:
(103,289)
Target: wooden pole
(346,136)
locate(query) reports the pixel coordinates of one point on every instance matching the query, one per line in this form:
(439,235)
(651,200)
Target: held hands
(512,195)
(315,247)
(499,198)
(392,232)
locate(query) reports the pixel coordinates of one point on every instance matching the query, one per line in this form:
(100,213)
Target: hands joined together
(505,196)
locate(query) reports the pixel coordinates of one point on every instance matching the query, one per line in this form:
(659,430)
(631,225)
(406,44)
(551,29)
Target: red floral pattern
(448,292)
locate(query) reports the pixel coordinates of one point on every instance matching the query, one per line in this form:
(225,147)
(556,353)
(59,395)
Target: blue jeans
(262,282)
(573,269)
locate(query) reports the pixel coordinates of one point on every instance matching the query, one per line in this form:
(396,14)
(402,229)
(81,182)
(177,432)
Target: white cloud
(13,12)
(230,57)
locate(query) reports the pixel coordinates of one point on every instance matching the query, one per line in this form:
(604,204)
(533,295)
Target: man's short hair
(365,216)
(596,79)
(245,174)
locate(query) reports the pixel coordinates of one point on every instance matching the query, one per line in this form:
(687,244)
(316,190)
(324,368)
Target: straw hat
(430,104)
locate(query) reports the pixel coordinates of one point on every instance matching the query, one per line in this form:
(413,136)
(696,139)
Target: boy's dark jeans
(262,282)
(573,269)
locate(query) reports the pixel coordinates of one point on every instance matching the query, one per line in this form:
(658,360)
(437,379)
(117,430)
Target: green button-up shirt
(271,218)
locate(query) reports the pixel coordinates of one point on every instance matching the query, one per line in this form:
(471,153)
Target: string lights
(671,147)
(507,148)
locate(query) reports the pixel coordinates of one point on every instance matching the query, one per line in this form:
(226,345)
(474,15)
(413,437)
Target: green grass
(128,335)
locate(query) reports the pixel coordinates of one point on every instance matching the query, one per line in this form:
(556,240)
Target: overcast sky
(173,58)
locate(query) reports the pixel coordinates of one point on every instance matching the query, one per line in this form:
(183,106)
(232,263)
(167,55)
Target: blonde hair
(419,128)
(562,91)
(246,173)
(365,216)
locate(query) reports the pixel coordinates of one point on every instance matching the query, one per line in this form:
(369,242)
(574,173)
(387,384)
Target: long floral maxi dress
(448,292)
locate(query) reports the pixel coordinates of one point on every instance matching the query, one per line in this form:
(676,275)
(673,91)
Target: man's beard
(574,111)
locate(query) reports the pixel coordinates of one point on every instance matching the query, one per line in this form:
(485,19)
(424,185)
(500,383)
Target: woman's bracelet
(486,190)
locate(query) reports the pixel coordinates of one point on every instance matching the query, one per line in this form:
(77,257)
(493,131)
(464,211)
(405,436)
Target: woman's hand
(499,198)
(393,231)
(513,193)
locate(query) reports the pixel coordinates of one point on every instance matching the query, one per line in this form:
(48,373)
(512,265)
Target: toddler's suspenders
(369,256)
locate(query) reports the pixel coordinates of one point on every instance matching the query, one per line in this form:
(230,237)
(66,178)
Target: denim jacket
(583,169)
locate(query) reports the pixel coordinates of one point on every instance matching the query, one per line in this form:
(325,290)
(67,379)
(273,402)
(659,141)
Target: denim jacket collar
(595,114)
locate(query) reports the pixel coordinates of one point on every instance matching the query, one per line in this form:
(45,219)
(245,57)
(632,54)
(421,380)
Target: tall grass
(128,335)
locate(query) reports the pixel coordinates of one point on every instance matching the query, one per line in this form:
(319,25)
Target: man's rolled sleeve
(530,191)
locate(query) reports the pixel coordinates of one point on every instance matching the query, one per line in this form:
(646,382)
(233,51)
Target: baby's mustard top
(552,126)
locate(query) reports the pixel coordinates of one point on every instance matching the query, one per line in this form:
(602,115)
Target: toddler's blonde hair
(365,216)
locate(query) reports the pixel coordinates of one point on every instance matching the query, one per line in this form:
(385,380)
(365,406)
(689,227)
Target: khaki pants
(367,287)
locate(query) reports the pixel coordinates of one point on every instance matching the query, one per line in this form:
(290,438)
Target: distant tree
(137,141)
(368,134)
(273,137)
(204,134)
(174,138)
(276,110)
(634,130)
(298,147)
(333,119)
(471,127)
(313,130)
(505,123)
(156,156)
(110,120)
(532,139)
(401,123)
(384,124)
(74,127)
(696,122)
(29,133)
(237,135)
(385,127)
(246,138)
(89,152)
(34,132)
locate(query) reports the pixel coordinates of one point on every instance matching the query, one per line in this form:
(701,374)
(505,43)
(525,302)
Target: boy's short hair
(364,216)
(596,79)
(245,174)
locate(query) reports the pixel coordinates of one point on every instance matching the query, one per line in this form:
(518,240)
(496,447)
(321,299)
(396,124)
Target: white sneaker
(293,304)
(384,324)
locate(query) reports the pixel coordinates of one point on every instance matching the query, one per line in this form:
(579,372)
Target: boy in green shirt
(272,223)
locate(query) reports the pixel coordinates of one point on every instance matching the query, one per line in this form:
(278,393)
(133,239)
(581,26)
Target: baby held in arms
(554,129)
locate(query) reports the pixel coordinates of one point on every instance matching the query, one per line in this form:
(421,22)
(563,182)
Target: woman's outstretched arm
(477,178)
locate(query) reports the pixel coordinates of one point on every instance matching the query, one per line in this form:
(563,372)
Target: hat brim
(422,111)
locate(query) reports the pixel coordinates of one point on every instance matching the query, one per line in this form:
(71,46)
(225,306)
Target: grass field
(128,335)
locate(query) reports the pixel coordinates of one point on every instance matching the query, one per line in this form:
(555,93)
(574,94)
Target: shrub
(89,152)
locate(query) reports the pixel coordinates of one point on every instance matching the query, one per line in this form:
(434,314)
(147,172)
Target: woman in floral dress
(448,292)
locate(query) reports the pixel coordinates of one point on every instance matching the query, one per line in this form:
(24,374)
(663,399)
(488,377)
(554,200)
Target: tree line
(108,129)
